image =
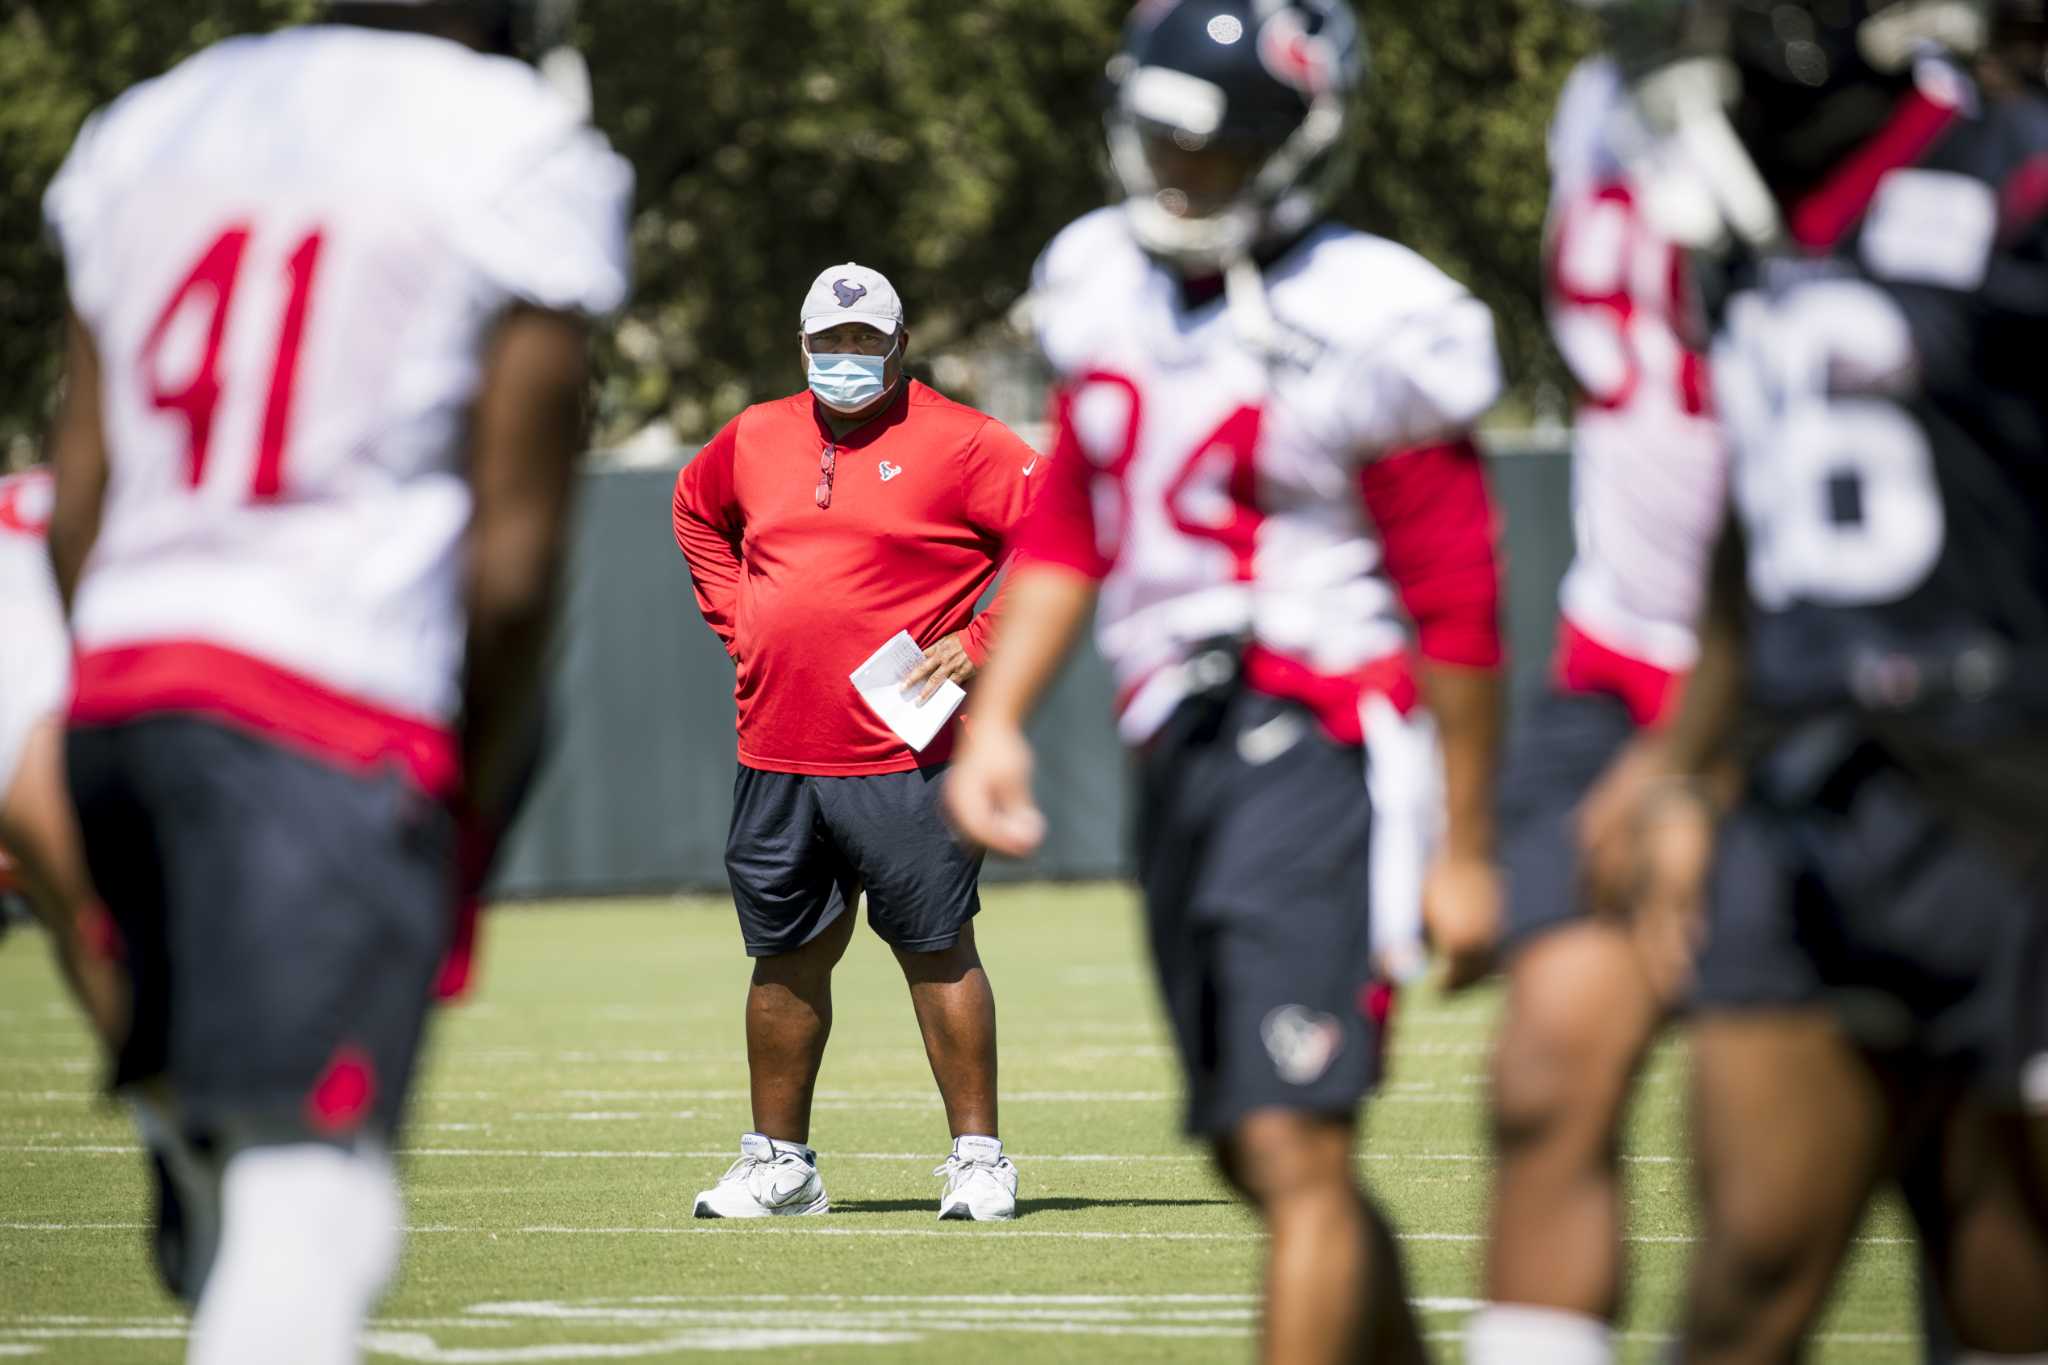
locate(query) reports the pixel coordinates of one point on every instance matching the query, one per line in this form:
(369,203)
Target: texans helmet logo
(848,294)
(1308,61)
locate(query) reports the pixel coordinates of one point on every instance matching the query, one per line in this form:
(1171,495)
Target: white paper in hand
(880,684)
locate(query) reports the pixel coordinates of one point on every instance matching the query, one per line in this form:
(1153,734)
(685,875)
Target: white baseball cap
(852,293)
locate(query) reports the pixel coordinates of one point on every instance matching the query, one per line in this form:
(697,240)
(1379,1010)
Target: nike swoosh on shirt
(1029,467)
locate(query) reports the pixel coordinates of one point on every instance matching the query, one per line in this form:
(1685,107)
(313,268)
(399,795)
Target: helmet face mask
(1227,122)
(1753,102)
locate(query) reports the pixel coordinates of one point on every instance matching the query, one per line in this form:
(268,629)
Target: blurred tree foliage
(940,141)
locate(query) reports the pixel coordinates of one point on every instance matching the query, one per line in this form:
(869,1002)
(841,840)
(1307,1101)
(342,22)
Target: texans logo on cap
(848,294)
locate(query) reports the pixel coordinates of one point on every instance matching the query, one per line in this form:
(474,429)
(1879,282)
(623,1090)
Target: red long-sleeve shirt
(923,498)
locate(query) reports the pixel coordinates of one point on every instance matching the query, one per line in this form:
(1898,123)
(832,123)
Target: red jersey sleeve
(1001,477)
(1436,526)
(708,524)
(1060,528)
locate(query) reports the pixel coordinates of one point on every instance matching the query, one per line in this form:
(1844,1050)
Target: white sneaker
(770,1180)
(981,1183)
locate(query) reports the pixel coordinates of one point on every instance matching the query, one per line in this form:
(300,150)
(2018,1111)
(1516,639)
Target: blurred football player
(1588,986)
(327,369)
(1263,454)
(37,828)
(1873,995)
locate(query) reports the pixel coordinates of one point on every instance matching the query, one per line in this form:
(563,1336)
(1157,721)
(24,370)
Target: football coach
(817,527)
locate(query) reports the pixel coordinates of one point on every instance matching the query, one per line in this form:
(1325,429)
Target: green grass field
(596,1082)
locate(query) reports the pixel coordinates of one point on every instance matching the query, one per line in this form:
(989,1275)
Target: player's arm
(527,430)
(1687,762)
(988,793)
(78,455)
(706,517)
(1059,565)
(1436,523)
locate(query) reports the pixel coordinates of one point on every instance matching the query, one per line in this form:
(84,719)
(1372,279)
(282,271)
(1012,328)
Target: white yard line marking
(725,1154)
(812,1228)
(711,1322)
(73,1148)
(601,1116)
(417,1346)
(96,1333)
(1666,1338)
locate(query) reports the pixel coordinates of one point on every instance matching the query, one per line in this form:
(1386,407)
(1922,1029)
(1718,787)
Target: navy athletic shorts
(1839,883)
(1563,741)
(283,922)
(1253,853)
(803,848)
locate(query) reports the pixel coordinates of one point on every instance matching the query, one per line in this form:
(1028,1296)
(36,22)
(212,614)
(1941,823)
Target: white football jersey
(290,251)
(35,651)
(1649,470)
(1227,484)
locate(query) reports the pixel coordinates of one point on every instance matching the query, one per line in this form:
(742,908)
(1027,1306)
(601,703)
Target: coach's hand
(1461,910)
(988,792)
(944,662)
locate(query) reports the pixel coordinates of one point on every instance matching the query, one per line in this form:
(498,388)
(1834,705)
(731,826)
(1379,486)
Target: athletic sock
(975,1147)
(309,1238)
(1517,1334)
(781,1148)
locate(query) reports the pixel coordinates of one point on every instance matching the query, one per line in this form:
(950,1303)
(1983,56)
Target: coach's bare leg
(1790,1129)
(956,1013)
(1334,1286)
(1580,1017)
(789,1019)
(1982,1207)
(38,828)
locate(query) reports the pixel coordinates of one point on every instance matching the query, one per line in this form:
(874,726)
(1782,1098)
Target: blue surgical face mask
(848,383)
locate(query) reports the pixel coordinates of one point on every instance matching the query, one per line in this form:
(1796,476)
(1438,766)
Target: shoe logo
(1262,744)
(890,471)
(1029,467)
(785,1180)
(848,294)
(1301,1042)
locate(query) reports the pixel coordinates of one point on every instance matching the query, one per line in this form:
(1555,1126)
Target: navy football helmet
(536,31)
(530,29)
(1228,122)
